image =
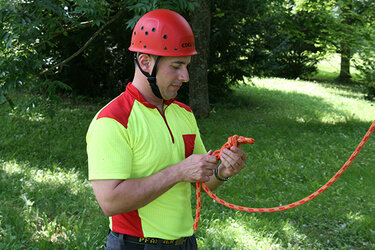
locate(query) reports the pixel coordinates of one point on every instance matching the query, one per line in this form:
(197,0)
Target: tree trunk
(347,19)
(198,86)
(345,63)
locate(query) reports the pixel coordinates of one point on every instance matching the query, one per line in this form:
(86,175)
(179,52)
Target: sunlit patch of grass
(53,177)
(329,69)
(47,205)
(235,234)
(328,103)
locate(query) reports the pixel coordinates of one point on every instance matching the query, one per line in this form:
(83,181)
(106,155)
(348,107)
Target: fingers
(199,168)
(210,158)
(235,157)
(204,173)
(240,152)
(233,161)
(208,166)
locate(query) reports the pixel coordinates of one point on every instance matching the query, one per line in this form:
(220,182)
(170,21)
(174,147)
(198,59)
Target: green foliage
(293,46)
(282,38)
(40,41)
(262,38)
(366,65)
(350,27)
(365,48)
(272,38)
(29,31)
(102,68)
(232,27)
(141,7)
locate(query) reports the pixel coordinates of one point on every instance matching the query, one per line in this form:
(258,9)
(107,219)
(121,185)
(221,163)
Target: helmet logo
(186,45)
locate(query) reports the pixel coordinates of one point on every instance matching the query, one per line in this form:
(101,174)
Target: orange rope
(236,141)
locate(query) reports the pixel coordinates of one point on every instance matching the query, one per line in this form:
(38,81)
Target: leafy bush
(365,64)
(293,44)
(104,67)
(265,39)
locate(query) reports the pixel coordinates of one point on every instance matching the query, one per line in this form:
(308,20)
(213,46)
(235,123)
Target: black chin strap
(151,78)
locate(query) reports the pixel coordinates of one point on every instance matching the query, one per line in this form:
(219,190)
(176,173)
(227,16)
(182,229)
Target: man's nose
(184,75)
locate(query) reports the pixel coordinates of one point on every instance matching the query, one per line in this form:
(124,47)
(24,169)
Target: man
(144,147)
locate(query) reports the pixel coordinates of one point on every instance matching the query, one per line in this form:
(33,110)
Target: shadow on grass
(46,142)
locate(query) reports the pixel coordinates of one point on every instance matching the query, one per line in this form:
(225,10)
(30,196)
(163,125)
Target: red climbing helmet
(163,33)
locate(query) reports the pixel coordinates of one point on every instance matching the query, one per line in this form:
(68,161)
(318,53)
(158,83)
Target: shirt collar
(133,91)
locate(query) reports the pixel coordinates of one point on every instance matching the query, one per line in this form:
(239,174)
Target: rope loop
(237,141)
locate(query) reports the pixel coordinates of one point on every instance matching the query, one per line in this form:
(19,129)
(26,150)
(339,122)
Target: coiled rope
(237,141)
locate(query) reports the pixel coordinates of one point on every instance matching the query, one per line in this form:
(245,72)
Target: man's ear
(146,62)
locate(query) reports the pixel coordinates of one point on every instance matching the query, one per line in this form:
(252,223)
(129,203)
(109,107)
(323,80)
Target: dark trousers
(118,243)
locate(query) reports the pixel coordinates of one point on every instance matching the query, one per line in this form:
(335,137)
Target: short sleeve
(108,150)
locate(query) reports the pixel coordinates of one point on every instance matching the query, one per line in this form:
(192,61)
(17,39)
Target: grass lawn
(304,133)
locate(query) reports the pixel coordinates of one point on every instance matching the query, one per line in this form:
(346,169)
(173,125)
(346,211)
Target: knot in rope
(234,140)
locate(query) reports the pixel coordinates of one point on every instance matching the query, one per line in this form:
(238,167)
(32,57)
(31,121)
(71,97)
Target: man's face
(171,73)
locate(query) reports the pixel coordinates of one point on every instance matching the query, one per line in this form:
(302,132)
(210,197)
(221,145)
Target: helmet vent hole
(153,29)
(144,46)
(142,27)
(135,33)
(165,48)
(146,33)
(175,48)
(165,36)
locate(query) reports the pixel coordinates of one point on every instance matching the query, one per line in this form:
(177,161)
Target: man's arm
(122,196)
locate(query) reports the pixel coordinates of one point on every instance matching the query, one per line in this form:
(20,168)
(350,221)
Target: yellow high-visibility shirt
(130,138)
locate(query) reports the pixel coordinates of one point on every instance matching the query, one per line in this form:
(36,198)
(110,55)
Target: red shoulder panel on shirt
(119,109)
(182,105)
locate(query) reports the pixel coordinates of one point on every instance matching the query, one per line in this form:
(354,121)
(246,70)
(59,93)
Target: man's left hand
(232,162)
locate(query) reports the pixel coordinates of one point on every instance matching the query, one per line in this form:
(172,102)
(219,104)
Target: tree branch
(58,33)
(8,100)
(84,46)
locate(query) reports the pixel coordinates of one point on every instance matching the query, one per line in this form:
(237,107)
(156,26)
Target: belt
(149,240)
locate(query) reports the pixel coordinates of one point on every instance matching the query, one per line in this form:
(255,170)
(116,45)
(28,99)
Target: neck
(144,88)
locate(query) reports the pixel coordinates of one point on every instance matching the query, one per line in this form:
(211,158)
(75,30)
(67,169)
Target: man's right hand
(197,168)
